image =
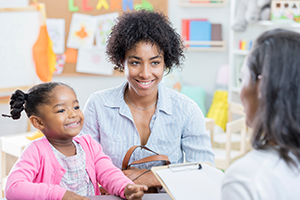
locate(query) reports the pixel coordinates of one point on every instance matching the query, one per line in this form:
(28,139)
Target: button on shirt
(177,126)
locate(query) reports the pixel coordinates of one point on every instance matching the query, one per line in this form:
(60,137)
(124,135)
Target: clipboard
(191,181)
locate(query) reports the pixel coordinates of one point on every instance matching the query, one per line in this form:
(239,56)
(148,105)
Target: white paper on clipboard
(187,181)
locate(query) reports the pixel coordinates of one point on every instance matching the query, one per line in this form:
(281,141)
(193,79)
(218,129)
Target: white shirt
(261,175)
(177,126)
(76,178)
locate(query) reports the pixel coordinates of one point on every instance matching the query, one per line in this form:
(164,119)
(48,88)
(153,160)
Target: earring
(259,76)
(259,92)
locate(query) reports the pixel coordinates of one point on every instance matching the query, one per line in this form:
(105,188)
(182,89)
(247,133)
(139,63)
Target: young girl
(60,165)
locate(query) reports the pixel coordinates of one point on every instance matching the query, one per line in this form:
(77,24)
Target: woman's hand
(135,192)
(73,196)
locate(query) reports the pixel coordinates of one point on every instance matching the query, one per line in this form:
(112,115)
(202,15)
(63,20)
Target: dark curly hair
(275,56)
(36,96)
(142,25)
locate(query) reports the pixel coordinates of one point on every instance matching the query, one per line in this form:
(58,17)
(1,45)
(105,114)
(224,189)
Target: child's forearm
(22,189)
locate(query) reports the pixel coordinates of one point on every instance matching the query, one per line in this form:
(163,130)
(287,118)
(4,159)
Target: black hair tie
(5,115)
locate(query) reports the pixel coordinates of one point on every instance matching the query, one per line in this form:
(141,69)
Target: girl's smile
(61,118)
(73,125)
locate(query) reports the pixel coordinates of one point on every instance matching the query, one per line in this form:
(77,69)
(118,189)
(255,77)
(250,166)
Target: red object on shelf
(185,28)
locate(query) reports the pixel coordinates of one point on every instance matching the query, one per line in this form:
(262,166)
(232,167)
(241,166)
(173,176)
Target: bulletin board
(19,31)
(61,9)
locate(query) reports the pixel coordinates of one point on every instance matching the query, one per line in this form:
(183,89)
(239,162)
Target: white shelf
(202,3)
(205,49)
(218,45)
(240,52)
(250,34)
(236,89)
(279,24)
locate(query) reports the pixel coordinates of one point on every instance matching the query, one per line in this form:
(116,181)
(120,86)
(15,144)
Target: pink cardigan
(37,173)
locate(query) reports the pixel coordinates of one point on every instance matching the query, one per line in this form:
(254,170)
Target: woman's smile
(144,69)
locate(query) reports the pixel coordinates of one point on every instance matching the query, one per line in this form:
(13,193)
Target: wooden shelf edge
(19,9)
(203,3)
(219,45)
(240,52)
(205,48)
(235,89)
(2,90)
(279,24)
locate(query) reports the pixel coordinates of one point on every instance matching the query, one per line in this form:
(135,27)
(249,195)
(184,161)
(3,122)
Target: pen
(183,167)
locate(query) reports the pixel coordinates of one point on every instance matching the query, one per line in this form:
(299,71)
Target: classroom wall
(200,68)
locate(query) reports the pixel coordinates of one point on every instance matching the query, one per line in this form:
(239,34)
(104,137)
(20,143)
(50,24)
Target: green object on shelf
(144,5)
(197,94)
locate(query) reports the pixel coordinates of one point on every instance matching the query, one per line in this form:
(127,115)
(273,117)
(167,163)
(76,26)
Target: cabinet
(236,56)
(11,149)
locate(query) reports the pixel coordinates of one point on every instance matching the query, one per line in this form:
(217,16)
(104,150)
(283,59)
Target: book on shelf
(185,28)
(200,31)
(216,33)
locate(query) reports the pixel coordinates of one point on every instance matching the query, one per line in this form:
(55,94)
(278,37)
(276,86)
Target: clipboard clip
(185,166)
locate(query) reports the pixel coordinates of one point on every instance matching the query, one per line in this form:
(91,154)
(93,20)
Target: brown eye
(134,63)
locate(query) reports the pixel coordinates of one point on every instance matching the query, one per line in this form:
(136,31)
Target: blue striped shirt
(177,126)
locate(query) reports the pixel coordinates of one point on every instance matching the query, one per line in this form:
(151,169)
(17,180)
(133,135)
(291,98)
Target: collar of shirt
(116,99)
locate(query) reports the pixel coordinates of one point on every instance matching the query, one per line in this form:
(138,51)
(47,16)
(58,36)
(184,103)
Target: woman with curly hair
(142,111)
(270,93)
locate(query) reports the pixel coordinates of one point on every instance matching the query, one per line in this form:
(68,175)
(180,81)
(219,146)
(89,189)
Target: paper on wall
(82,31)
(94,61)
(56,31)
(59,63)
(19,32)
(104,23)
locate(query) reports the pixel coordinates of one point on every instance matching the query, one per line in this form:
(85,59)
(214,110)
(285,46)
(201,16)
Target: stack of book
(201,30)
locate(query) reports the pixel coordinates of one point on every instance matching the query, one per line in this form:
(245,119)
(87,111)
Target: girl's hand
(135,192)
(73,196)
